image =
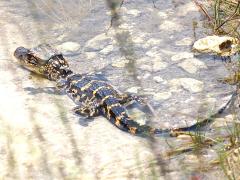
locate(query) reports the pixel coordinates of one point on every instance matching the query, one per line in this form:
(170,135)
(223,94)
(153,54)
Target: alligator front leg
(86,110)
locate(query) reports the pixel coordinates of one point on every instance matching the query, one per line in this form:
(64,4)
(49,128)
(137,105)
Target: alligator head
(43,60)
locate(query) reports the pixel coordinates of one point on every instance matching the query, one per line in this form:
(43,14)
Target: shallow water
(147,51)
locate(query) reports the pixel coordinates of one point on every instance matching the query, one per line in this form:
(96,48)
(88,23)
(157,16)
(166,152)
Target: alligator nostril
(20,51)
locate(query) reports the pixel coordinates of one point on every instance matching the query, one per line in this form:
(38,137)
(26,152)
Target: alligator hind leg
(128,98)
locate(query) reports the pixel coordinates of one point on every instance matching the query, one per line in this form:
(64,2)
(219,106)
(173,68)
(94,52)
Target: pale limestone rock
(159,65)
(158,79)
(191,159)
(168,25)
(153,41)
(146,75)
(120,64)
(98,43)
(184,42)
(133,89)
(68,47)
(138,39)
(189,84)
(146,67)
(133,12)
(192,65)
(90,55)
(162,96)
(184,137)
(220,45)
(154,53)
(107,50)
(182,55)
(162,14)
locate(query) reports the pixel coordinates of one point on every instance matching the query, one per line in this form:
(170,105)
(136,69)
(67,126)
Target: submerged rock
(158,79)
(98,43)
(189,84)
(120,64)
(133,89)
(133,12)
(162,96)
(182,55)
(184,42)
(68,47)
(192,65)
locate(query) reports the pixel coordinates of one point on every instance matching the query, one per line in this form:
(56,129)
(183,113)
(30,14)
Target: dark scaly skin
(93,95)
(97,97)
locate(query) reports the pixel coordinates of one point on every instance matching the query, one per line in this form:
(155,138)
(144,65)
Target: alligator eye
(32,60)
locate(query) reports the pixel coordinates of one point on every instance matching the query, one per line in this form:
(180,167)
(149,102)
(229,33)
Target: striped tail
(133,127)
(117,115)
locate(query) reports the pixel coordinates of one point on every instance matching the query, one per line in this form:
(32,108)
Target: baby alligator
(93,95)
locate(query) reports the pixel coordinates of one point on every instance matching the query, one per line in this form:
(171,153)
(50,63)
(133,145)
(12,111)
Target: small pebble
(68,47)
(133,89)
(158,79)
(182,55)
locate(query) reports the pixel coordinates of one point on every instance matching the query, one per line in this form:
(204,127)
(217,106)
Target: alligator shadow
(84,121)
(44,90)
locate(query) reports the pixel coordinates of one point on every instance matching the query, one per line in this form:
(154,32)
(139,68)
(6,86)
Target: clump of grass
(229,161)
(226,16)
(223,16)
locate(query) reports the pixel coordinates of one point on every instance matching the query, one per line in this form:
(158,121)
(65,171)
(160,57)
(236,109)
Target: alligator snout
(21,52)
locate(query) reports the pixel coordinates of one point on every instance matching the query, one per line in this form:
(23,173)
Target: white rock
(153,41)
(192,65)
(168,25)
(162,14)
(189,84)
(149,90)
(98,43)
(90,55)
(133,12)
(182,55)
(159,65)
(162,96)
(154,53)
(68,47)
(120,64)
(184,42)
(107,50)
(158,79)
(221,45)
(146,67)
(133,89)
(146,75)
(138,39)
(191,159)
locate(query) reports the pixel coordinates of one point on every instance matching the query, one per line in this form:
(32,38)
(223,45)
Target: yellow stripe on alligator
(110,107)
(105,98)
(117,121)
(113,105)
(96,90)
(89,84)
